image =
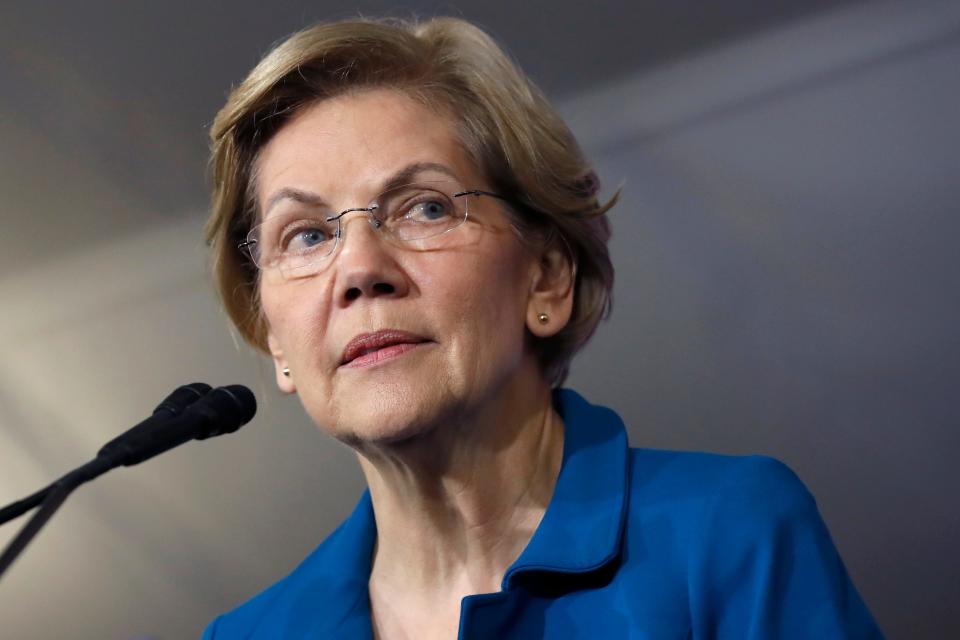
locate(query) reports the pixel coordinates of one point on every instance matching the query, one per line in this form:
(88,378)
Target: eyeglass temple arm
(479,192)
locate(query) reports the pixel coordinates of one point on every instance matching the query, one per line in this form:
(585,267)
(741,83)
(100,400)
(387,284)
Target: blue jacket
(635,543)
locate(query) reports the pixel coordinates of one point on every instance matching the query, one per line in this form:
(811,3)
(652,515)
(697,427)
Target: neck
(456,507)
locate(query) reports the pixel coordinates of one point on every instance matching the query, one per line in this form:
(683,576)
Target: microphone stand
(111,455)
(20,507)
(49,500)
(192,412)
(54,498)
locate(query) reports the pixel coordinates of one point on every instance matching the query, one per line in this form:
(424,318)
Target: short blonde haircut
(504,122)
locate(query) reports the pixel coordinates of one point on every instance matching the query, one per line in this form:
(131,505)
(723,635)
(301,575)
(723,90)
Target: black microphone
(171,406)
(191,412)
(222,410)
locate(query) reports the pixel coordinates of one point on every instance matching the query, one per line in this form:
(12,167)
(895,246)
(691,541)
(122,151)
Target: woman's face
(455,310)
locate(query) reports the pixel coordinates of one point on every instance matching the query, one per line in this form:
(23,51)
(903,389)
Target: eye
(432,209)
(305,236)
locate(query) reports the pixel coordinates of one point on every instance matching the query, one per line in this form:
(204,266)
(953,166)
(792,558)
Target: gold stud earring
(286,371)
(543,318)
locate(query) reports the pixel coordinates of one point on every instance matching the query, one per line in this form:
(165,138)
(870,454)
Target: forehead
(344,147)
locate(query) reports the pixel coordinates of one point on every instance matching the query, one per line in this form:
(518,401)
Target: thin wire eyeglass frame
(246,247)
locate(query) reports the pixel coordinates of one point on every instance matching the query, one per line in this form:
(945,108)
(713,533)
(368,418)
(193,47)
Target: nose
(366,266)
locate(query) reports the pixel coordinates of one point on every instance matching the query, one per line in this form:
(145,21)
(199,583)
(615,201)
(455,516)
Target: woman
(407,228)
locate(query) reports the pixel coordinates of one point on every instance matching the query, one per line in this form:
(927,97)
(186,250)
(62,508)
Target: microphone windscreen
(182,397)
(233,405)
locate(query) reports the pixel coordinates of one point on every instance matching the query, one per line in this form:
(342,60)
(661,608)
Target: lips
(373,347)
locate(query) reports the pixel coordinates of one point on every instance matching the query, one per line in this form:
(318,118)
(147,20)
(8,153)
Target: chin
(394,416)
(390,437)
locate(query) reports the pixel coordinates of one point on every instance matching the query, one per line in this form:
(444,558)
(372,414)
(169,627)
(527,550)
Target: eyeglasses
(298,244)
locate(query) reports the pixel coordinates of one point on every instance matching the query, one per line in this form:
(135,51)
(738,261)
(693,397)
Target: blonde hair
(504,122)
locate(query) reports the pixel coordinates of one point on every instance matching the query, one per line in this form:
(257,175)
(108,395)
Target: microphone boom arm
(191,412)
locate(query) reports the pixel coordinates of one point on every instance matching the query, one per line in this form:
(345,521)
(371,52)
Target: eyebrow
(297,195)
(400,178)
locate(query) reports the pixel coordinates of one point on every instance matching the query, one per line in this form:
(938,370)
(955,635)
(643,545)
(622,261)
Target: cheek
(484,308)
(292,317)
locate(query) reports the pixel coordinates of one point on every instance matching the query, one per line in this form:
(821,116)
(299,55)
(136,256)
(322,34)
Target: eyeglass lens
(296,239)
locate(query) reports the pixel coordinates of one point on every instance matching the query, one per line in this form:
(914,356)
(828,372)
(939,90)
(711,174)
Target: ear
(551,292)
(284,381)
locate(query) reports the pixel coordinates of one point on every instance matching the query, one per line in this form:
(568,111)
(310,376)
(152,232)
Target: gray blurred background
(787,282)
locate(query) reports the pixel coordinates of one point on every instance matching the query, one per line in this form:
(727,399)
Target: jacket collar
(582,527)
(580,531)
